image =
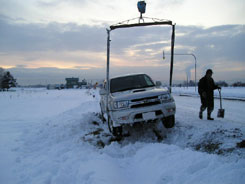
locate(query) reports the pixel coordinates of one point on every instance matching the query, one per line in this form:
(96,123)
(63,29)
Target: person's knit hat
(209,71)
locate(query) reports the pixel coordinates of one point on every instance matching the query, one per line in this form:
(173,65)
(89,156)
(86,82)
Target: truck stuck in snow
(136,98)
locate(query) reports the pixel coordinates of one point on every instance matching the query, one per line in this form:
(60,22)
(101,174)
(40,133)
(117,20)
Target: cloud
(72,46)
(20,66)
(94,12)
(221,41)
(218,42)
(53,36)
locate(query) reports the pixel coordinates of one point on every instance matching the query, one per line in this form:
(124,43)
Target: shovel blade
(221,113)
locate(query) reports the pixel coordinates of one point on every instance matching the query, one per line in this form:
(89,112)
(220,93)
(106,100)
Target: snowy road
(234,110)
(193,131)
(58,137)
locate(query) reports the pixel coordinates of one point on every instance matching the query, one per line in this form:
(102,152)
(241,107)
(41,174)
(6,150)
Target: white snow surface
(226,92)
(57,136)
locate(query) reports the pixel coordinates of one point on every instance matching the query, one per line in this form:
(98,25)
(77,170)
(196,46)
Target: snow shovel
(221,112)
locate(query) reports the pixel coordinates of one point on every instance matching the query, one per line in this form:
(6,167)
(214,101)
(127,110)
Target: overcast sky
(45,41)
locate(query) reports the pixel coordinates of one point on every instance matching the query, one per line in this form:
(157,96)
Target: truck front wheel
(116,131)
(102,115)
(169,122)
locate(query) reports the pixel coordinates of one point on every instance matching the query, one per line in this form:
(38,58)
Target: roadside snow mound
(76,147)
(216,139)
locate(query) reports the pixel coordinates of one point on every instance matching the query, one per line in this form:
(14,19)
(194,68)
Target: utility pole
(191,54)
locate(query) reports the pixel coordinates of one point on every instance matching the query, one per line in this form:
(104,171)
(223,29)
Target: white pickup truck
(135,98)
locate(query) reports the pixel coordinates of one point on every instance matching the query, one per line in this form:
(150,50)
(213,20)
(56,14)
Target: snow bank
(62,140)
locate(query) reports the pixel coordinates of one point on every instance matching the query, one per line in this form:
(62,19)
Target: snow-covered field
(232,93)
(57,136)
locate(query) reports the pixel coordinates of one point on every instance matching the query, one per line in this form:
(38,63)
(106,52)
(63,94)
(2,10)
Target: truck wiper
(125,89)
(146,86)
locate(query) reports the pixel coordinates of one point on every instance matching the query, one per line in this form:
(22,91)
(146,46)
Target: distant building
(72,82)
(83,83)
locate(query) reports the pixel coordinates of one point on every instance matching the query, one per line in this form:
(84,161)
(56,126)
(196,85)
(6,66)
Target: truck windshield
(130,82)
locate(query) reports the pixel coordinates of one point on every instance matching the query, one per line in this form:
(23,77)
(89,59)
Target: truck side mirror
(102,91)
(158,83)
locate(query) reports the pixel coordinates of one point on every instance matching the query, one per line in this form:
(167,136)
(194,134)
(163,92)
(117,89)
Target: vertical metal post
(195,70)
(195,74)
(108,72)
(172,57)
(186,55)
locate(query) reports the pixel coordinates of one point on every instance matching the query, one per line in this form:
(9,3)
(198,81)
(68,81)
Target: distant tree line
(219,83)
(6,80)
(238,84)
(222,84)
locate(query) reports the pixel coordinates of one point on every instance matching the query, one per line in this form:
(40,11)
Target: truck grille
(147,98)
(144,102)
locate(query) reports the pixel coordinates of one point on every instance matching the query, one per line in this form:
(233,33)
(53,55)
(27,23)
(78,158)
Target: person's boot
(200,114)
(209,117)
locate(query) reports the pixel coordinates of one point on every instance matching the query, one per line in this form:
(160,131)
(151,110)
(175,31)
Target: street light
(190,54)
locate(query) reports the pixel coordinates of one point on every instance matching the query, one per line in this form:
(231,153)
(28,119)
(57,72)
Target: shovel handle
(220,98)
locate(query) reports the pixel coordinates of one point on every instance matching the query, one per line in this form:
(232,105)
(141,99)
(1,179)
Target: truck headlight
(166,98)
(121,104)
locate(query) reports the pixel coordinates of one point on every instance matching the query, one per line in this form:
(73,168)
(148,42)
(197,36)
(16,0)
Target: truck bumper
(144,114)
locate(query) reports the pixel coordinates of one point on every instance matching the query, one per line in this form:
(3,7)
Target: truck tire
(116,131)
(110,126)
(169,122)
(102,115)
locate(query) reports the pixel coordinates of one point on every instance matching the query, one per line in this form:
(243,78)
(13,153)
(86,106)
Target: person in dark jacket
(206,87)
